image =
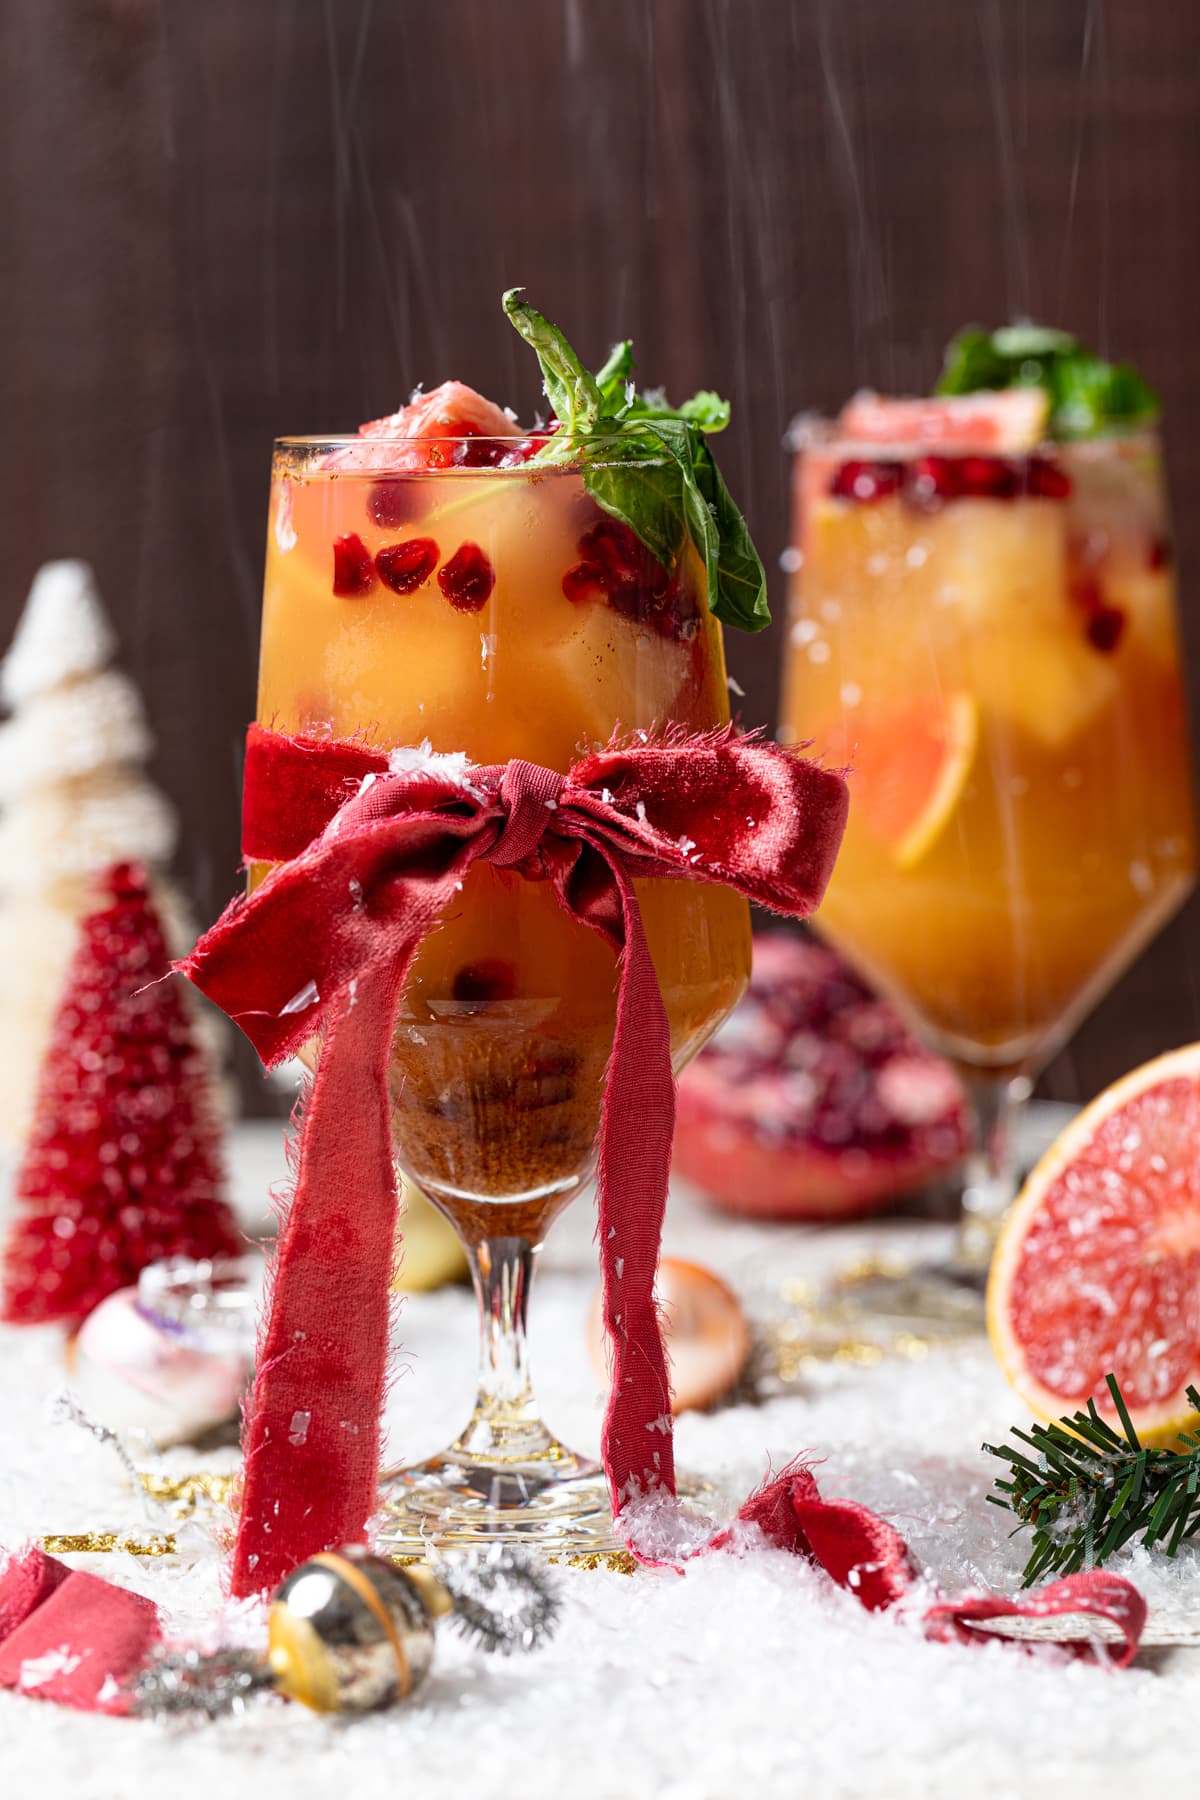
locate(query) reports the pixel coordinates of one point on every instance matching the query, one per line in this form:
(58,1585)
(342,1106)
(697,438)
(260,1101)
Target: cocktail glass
(435,607)
(990,642)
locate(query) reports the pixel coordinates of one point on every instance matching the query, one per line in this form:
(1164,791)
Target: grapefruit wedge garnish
(910,765)
(1007,421)
(1098,1265)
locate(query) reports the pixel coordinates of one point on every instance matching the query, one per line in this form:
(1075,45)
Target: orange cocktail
(467,621)
(445,586)
(990,641)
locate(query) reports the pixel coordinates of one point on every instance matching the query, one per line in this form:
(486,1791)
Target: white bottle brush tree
(73,800)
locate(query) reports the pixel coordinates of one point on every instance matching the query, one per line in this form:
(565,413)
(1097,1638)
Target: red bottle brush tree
(123,1165)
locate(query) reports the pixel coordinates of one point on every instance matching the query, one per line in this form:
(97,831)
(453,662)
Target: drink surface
(461,633)
(991,643)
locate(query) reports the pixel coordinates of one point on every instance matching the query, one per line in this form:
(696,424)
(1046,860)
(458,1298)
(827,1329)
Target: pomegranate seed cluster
(614,566)
(812,1055)
(926,482)
(466,578)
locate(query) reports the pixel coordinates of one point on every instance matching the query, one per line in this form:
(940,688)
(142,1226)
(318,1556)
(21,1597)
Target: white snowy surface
(748,1677)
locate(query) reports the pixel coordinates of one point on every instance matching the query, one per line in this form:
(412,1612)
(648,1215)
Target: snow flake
(298,1429)
(423,759)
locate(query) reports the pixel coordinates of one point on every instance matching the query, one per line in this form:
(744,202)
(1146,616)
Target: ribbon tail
(637,1123)
(69,1636)
(312,1434)
(1092,1593)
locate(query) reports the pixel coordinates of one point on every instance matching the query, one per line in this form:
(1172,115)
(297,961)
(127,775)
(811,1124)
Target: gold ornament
(349,1632)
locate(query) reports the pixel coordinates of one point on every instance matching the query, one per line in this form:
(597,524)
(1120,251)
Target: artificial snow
(749,1676)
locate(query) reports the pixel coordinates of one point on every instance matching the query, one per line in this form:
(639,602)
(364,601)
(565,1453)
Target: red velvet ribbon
(864,1554)
(367,860)
(68,1636)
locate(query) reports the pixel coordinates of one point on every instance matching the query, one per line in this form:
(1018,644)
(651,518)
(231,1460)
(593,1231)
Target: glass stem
(506,1425)
(990,1185)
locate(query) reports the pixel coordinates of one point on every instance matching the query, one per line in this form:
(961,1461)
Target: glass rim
(370,455)
(345,440)
(823,432)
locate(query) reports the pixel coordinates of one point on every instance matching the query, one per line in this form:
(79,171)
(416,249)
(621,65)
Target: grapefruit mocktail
(508,1013)
(989,641)
(444,585)
(983,628)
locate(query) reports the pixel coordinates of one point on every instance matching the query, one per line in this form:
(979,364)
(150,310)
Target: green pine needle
(1087,1491)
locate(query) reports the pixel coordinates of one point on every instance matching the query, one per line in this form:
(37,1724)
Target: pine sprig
(1087,1491)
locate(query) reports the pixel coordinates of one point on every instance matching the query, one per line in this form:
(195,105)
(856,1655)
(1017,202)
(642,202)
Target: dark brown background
(225,220)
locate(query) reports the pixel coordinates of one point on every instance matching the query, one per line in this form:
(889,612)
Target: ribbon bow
(369,852)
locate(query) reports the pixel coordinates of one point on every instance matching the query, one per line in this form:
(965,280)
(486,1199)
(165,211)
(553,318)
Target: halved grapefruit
(912,762)
(1098,1265)
(1008,421)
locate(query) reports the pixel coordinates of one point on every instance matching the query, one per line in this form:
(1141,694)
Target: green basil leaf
(1088,396)
(741,585)
(706,410)
(648,464)
(1018,342)
(648,496)
(573,395)
(615,379)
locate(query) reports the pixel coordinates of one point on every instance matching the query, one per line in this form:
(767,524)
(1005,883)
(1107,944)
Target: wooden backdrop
(225,220)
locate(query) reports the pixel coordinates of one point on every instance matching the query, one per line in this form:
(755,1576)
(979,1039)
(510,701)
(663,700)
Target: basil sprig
(648,463)
(1087,395)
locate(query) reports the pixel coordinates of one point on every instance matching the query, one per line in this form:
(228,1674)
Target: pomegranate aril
(866,481)
(548,1081)
(621,554)
(988,477)
(394,502)
(467,579)
(616,563)
(353,568)
(407,566)
(931,480)
(491,979)
(680,616)
(474,451)
(584,581)
(1045,480)
(1105,627)
(1085,590)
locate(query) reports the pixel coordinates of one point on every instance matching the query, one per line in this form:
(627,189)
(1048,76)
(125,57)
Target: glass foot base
(558,1504)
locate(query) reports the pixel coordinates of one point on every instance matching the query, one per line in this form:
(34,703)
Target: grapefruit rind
(1158,1424)
(962,741)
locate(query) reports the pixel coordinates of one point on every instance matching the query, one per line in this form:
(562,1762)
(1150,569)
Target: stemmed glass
(990,641)
(462,624)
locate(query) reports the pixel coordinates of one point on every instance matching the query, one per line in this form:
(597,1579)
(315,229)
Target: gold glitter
(184,1493)
(619,1562)
(91,1543)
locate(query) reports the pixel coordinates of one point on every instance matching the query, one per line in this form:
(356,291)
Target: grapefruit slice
(1012,420)
(913,761)
(1098,1265)
(416,436)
